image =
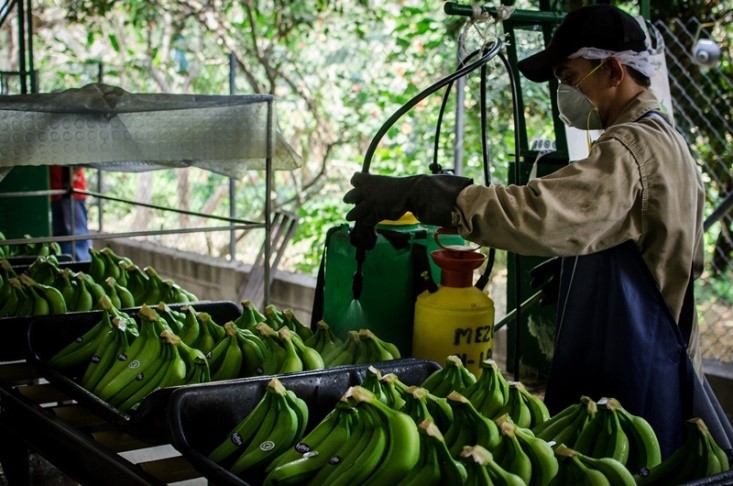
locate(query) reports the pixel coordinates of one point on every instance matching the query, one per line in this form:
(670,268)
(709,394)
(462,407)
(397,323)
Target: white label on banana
(134,364)
(302,448)
(334,460)
(267,445)
(237,439)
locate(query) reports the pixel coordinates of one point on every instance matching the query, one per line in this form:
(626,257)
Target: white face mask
(576,110)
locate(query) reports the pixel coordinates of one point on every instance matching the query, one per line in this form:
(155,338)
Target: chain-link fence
(702,109)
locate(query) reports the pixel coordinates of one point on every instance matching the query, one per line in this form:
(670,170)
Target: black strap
(318,299)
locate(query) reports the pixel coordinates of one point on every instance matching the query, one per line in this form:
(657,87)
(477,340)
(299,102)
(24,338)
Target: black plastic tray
(201,416)
(45,336)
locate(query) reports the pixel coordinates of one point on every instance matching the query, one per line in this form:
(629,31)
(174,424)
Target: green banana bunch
(191,327)
(111,265)
(140,363)
(137,282)
(453,376)
(509,453)
(43,270)
(89,293)
(603,436)
(541,455)
(81,349)
(45,248)
(170,372)
(422,405)
(316,450)
(210,333)
(250,316)
(372,382)
(275,353)
(644,451)
(525,409)
(393,388)
(112,344)
(490,392)
(566,426)
(153,287)
(131,327)
(273,317)
(698,457)
(19,302)
(119,295)
(173,293)
(350,352)
(577,468)
(469,427)
(383,452)
(197,366)
(482,470)
(46,299)
(253,351)
(82,299)
(323,340)
(65,284)
(174,318)
(435,466)
(295,325)
(312,359)
(269,430)
(292,362)
(376,350)
(97,265)
(225,361)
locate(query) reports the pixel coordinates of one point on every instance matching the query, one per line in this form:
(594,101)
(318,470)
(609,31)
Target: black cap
(601,26)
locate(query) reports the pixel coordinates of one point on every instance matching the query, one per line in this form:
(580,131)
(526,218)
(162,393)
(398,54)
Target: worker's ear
(616,71)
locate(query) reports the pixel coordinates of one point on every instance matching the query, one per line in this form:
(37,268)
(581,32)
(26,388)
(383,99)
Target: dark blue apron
(617,338)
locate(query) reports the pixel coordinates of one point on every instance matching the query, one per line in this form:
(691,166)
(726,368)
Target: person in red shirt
(66,177)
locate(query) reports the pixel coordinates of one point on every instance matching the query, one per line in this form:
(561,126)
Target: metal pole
(458,150)
(268,202)
(232,182)
(100,184)
(21,48)
(31,69)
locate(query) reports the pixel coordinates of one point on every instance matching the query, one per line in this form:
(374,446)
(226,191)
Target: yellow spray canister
(457,318)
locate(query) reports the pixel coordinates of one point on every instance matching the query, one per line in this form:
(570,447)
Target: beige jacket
(638,183)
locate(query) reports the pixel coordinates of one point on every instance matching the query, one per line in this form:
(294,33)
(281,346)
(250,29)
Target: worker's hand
(546,277)
(429,197)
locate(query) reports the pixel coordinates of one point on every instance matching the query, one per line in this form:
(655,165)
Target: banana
(81,300)
(12,297)
(273,317)
(172,372)
(226,358)
(250,316)
(40,306)
(541,455)
(537,409)
(137,282)
(295,325)
(275,353)
(312,359)
(558,421)
(375,352)
(451,471)
(314,451)
(323,339)
(174,318)
(427,471)
(95,290)
(277,433)
(191,327)
(453,376)
(83,347)
(113,344)
(481,468)
(142,354)
(97,265)
(43,270)
(611,440)
(292,362)
(490,392)
(111,267)
(25,301)
(516,407)
(153,287)
(372,382)
(54,297)
(65,284)
(509,453)
(207,337)
(416,405)
(131,395)
(349,353)
(393,389)
(216,330)
(301,410)
(589,428)
(469,427)
(243,432)
(615,472)
(644,450)
(253,351)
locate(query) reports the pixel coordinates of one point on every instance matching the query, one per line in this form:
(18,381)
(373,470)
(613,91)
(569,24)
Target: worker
(69,179)
(626,220)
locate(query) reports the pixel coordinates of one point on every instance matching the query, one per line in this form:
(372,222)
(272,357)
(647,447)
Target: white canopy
(106,127)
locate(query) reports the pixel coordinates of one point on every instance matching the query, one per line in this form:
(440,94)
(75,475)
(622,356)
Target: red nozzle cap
(457,266)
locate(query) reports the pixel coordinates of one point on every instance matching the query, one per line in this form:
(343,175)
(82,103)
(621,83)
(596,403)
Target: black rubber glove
(546,277)
(429,197)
